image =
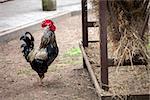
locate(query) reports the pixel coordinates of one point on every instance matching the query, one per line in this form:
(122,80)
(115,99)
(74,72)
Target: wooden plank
(128,97)
(91,72)
(103,44)
(84,23)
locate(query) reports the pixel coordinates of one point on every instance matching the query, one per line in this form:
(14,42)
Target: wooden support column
(84,26)
(103,44)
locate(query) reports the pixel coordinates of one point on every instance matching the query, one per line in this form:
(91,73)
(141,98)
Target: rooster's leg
(41,75)
(41,81)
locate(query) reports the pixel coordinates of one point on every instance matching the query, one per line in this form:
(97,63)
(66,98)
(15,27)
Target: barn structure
(105,62)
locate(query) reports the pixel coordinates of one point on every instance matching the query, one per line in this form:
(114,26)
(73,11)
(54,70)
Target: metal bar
(128,97)
(93,41)
(84,27)
(84,23)
(103,44)
(92,24)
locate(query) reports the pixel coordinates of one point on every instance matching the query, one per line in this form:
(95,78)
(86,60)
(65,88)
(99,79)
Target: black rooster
(43,56)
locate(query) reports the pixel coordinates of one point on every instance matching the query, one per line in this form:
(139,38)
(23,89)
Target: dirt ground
(123,80)
(65,80)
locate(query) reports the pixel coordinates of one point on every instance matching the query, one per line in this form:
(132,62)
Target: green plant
(73,52)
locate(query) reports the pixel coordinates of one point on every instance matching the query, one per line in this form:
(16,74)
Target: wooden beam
(103,44)
(91,72)
(128,97)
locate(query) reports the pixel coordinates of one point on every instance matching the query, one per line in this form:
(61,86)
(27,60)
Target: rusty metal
(103,44)
(84,23)
(93,41)
(84,27)
(92,24)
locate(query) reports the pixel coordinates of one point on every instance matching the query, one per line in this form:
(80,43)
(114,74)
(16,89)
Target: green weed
(73,52)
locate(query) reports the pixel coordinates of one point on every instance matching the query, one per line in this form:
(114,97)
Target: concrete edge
(32,27)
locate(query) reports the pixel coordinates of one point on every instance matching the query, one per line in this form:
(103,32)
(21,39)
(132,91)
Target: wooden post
(49,5)
(91,72)
(103,44)
(84,27)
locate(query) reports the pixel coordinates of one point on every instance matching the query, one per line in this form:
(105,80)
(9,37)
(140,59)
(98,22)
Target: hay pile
(128,44)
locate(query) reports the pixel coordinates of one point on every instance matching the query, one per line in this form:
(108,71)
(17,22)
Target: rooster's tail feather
(27,45)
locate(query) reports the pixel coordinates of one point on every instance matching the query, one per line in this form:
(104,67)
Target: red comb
(49,23)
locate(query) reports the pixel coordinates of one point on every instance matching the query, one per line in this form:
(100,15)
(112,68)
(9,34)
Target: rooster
(40,58)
